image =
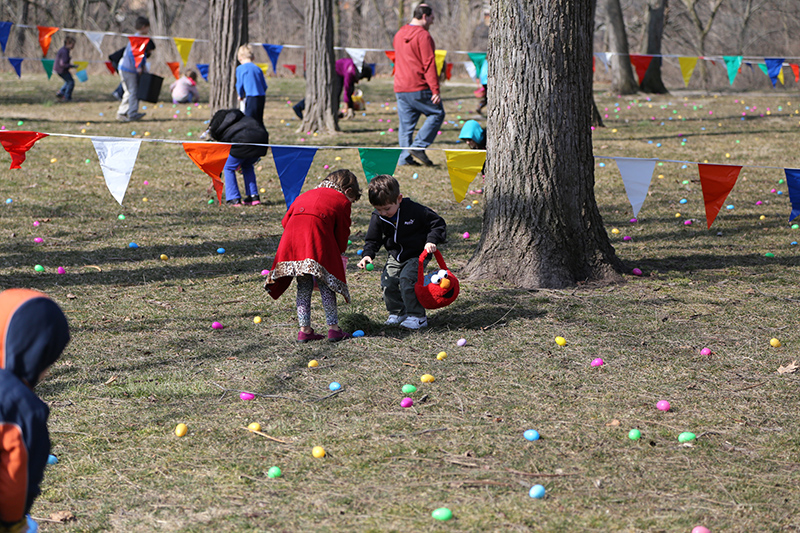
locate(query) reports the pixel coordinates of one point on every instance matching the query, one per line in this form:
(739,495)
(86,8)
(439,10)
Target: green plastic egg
(274,472)
(634,434)
(686,436)
(39,268)
(408,389)
(442,513)
(370,267)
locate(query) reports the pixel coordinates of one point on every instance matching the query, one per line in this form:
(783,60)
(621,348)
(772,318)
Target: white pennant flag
(117,159)
(471,70)
(357,55)
(604,58)
(96,37)
(636,175)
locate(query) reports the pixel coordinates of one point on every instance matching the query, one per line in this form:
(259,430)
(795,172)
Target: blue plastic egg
(683,200)
(537,491)
(334,386)
(531,434)
(220,250)
(358,333)
(359,251)
(133,245)
(52,459)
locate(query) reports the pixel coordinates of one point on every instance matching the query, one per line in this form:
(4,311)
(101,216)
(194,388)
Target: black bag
(149,87)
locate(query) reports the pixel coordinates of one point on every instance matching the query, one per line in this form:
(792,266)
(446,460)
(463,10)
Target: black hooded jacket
(231,126)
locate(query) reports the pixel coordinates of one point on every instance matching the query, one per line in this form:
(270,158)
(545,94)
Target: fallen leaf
(71,296)
(111,380)
(791,368)
(62,516)
(614,423)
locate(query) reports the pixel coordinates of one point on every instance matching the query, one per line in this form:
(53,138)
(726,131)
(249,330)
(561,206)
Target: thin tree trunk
(654,24)
(541,225)
(228,22)
(622,80)
(702,29)
(321,105)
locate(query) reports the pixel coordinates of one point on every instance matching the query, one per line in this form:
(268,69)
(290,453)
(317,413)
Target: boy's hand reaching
(364,261)
(430,247)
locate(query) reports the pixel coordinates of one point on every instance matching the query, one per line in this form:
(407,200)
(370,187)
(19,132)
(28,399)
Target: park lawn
(144,358)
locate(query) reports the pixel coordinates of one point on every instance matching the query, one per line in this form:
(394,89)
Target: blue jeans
(249,173)
(409,107)
(69,84)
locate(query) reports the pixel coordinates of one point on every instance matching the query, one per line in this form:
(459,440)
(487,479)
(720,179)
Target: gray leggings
(305,286)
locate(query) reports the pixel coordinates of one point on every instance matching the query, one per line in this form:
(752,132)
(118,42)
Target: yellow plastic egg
(147,134)
(181,429)
(762,217)
(614,130)
(318,452)
(53,160)
(561,341)
(661,176)
(257,320)
(254,426)
(441,356)
(83,130)
(474,202)
(164,257)
(337,158)
(775,343)
(262,190)
(677,215)
(144,199)
(427,378)
(615,231)
(313,363)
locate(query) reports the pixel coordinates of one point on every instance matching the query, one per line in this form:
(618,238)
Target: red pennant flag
(175,67)
(448,72)
(796,70)
(293,68)
(640,63)
(17,143)
(110,67)
(45,33)
(717,182)
(210,157)
(138,44)
(390,55)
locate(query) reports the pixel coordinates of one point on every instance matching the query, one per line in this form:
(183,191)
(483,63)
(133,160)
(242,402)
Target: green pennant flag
(763,68)
(376,161)
(732,63)
(477,59)
(48,66)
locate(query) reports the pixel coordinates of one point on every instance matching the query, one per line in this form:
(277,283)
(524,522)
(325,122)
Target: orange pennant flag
(293,68)
(45,33)
(138,45)
(796,69)
(17,143)
(716,182)
(390,55)
(210,157)
(640,63)
(175,67)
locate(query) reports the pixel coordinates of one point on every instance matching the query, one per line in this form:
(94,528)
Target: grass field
(144,357)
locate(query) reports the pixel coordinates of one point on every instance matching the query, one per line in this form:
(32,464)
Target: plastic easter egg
(598,362)
(254,426)
(683,201)
(408,389)
(705,351)
(466,235)
(38,240)
(729,207)
(334,386)
(61,270)
(163,257)
(687,222)
(262,190)
(775,343)
(216,325)
(211,201)
(265,272)
(256,320)
(537,491)
(318,452)
(663,405)
(39,268)
(406,402)
(762,217)
(247,396)
(627,238)
(313,363)
(769,254)
(273,472)
(686,436)
(427,378)
(359,251)
(358,333)
(700,529)
(181,429)
(121,217)
(36,223)
(52,459)
(442,514)
(469,207)
(461,342)
(441,356)
(759,202)
(369,267)
(133,245)
(146,182)
(636,272)
(634,221)
(634,434)
(414,176)
(9,200)
(561,341)
(220,250)
(531,434)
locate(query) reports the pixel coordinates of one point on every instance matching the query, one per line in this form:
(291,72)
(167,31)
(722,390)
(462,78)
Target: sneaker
(235,203)
(335,335)
(414,322)
(136,116)
(59,96)
(306,337)
(420,154)
(408,161)
(395,320)
(253,200)
(123,118)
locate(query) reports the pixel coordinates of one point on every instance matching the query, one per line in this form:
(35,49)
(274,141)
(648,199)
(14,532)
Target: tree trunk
(654,23)
(597,118)
(622,80)
(702,29)
(228,22)
(541,225)
(321,110)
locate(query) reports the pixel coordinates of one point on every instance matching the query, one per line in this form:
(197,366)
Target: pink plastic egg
(36,223)
(634,221)
(406,402)
(636,272)
(597,362)
(759,202)
(216,325)
(146,182)
(700,529)
(687,222)
(265,272)
(326,167)
(663,405)
(246,395)
(626,238)
(705,351)
(772,190)
(38,239)
(466,235)
(61,270)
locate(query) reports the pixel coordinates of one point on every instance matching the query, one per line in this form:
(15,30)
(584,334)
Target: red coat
(316,229)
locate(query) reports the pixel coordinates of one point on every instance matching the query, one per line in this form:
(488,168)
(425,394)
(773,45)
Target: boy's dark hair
(141,22)
(383,190)
(346,180)
(421,10)
(69,40)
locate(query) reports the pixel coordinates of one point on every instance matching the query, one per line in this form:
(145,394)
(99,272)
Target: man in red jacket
(416,86)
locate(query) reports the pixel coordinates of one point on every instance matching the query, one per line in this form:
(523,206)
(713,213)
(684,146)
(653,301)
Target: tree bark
(654,23)
(701,29)
(622,80)
(228,22)
(321,110)
(541,225)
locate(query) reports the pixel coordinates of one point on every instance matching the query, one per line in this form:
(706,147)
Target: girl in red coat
(316,229)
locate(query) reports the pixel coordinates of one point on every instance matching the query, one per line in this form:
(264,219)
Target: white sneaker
(394,320)
(414,322)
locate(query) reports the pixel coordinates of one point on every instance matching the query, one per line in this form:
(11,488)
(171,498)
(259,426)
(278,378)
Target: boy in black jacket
(405,228)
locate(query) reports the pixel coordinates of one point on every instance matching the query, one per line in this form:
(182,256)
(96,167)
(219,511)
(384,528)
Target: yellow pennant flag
(265,68)
(463,166)
(687,68)
(184,47)
(80,65)
(440,55)
(780,76)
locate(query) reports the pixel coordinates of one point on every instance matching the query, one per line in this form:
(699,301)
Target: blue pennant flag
(16,62)
(292,164)
(793,181)
(5,29)
(273,51)
(372,68)
(774,66)
(203,68)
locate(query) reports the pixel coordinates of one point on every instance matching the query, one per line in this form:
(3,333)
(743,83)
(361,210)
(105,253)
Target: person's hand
(436,98)
(430,247)
(364,261)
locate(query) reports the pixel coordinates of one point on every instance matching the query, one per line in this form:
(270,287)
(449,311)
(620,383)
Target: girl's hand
(430,247)
(364,260)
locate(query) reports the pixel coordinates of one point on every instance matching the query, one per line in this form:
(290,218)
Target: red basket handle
(424,255)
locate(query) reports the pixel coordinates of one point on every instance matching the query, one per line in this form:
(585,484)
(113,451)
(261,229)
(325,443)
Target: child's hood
(472,130)
(33,333)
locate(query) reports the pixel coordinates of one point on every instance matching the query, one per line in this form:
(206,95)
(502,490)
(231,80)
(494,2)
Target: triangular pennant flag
(292,165)
(48,66)
(16,62)
(110,67)
(793,181)
(603,59)
(372,68)
(477,59)
(774,69)
(780,76)
(377,161)
(796,69)
(470,67)
(5,30)
(45,34)
(390,55)
(688,65)
(636,176)
(17,143)
(138,45)
(175,67)
(210,158)
(357,55)
(80,65)
(82,75)
(203,69)
(184,46)
(117,159)
(293,68)
(439,56)
(716,182)
(264,68)
(463,166)
(640,63)
(763,69)
(732,63)
(448,71)
(96,38)
(273,51)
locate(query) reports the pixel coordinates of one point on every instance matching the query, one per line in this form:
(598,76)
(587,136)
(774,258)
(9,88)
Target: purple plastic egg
(216,325)
(461,342)
(246,396)
(598,362)
(626,238)
(636,272)
(61,270)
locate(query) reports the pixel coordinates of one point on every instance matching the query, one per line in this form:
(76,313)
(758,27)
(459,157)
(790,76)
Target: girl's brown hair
(346,180)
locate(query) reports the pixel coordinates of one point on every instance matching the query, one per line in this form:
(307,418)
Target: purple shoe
(336,336)
(306,337)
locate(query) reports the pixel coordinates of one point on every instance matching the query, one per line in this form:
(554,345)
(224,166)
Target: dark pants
(254,107)
(69,84)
